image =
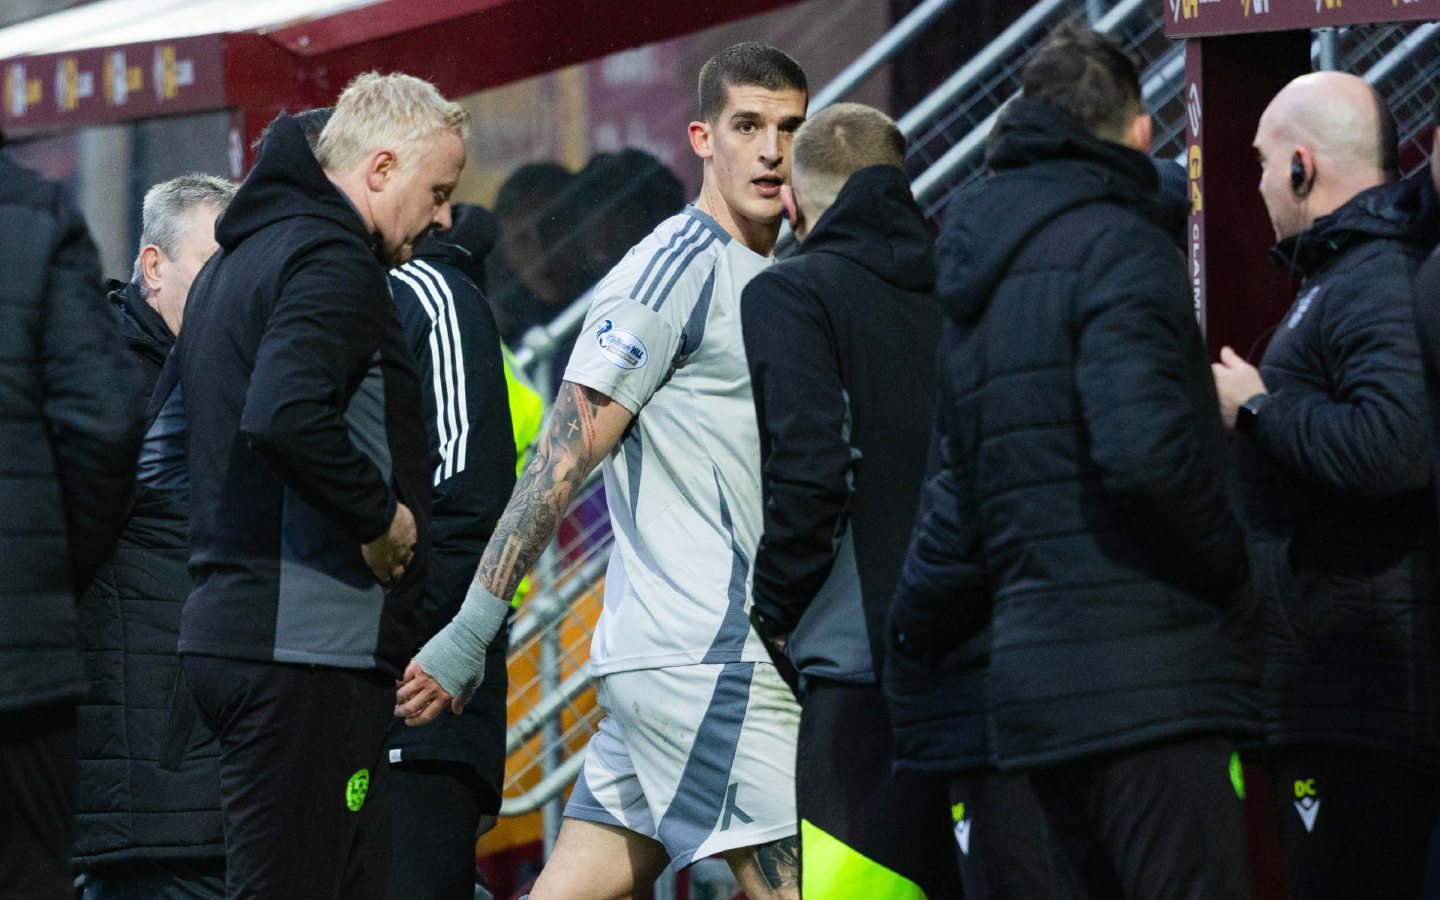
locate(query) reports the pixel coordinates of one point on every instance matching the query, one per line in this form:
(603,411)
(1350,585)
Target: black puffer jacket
(131,805)
(1427,324)
(1082,502)
(1353,645)
(68,434)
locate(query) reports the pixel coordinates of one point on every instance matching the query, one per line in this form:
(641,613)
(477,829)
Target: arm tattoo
(779,863)
(564,457)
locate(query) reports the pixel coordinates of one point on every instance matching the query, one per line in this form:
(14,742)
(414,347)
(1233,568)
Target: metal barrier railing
(1402,63)
(552,631)
(881,52)
(974,108)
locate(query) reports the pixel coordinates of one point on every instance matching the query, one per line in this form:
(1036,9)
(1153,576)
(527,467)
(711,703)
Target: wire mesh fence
(950,142)
(551,646)
(1401,61)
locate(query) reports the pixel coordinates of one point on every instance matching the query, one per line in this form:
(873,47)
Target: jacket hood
(140,325)
(286,182)
(1044,164)
(875,223)
(1406,210)
(465,244)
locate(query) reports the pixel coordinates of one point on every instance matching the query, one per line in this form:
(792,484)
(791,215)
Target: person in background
(446,777)
(71,431)
(149,799)
(1336,447)
(526,270)
(843,437)
(615,201)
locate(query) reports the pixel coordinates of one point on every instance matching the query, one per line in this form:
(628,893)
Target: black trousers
(1003,841)
(303,777)
(845,788)
(1163,822)
(1353,823)
(439,810)
(39,771)
(158,880)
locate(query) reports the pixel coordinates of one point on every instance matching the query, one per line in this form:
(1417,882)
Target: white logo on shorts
(962,834)
(1309,810)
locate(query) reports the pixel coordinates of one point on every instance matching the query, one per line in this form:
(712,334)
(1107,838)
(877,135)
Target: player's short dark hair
(1088,76)
(751,64)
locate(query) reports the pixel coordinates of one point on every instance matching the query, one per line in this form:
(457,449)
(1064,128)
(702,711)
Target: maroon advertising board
(1200,18)
(112,84)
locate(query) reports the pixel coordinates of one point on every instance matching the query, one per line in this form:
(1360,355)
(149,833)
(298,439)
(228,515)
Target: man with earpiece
(1335,442)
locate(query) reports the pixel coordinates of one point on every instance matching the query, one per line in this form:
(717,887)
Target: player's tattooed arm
(584,426)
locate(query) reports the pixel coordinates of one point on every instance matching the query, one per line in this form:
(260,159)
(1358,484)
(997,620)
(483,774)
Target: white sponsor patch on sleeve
(621,347)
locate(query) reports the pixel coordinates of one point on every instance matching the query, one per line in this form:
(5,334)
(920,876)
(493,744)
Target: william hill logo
(622,348)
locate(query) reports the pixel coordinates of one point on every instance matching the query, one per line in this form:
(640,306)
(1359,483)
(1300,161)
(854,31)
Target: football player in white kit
(696,756)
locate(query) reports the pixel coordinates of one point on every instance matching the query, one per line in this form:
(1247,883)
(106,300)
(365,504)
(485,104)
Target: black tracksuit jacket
(1082,508)
(451,332)
(1352,653)
(840,340)
(305,428)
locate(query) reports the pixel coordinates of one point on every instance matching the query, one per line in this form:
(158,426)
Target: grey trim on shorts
(700,795)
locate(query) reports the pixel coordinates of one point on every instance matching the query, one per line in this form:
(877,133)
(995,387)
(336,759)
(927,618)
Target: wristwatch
(1247,417)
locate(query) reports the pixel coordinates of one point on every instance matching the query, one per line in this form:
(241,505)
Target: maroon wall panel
(1239,293)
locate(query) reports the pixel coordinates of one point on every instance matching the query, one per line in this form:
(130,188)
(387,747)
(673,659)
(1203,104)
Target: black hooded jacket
(68,434)
(1343,472)
(840,340)
(131,805)
(1082,506)
(304,429)
(452,334)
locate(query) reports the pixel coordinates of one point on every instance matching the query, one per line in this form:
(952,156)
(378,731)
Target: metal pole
(1329,56)
(937,177)
(1003,47)
(881,52)
(1401,52)
(550,682)
(544,593)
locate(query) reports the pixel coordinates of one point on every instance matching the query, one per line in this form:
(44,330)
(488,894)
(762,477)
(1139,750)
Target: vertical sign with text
(1195,172)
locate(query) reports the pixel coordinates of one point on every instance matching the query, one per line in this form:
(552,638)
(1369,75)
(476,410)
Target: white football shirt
(663,339)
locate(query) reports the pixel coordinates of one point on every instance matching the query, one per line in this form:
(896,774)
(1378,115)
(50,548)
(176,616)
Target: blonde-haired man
(309,472)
